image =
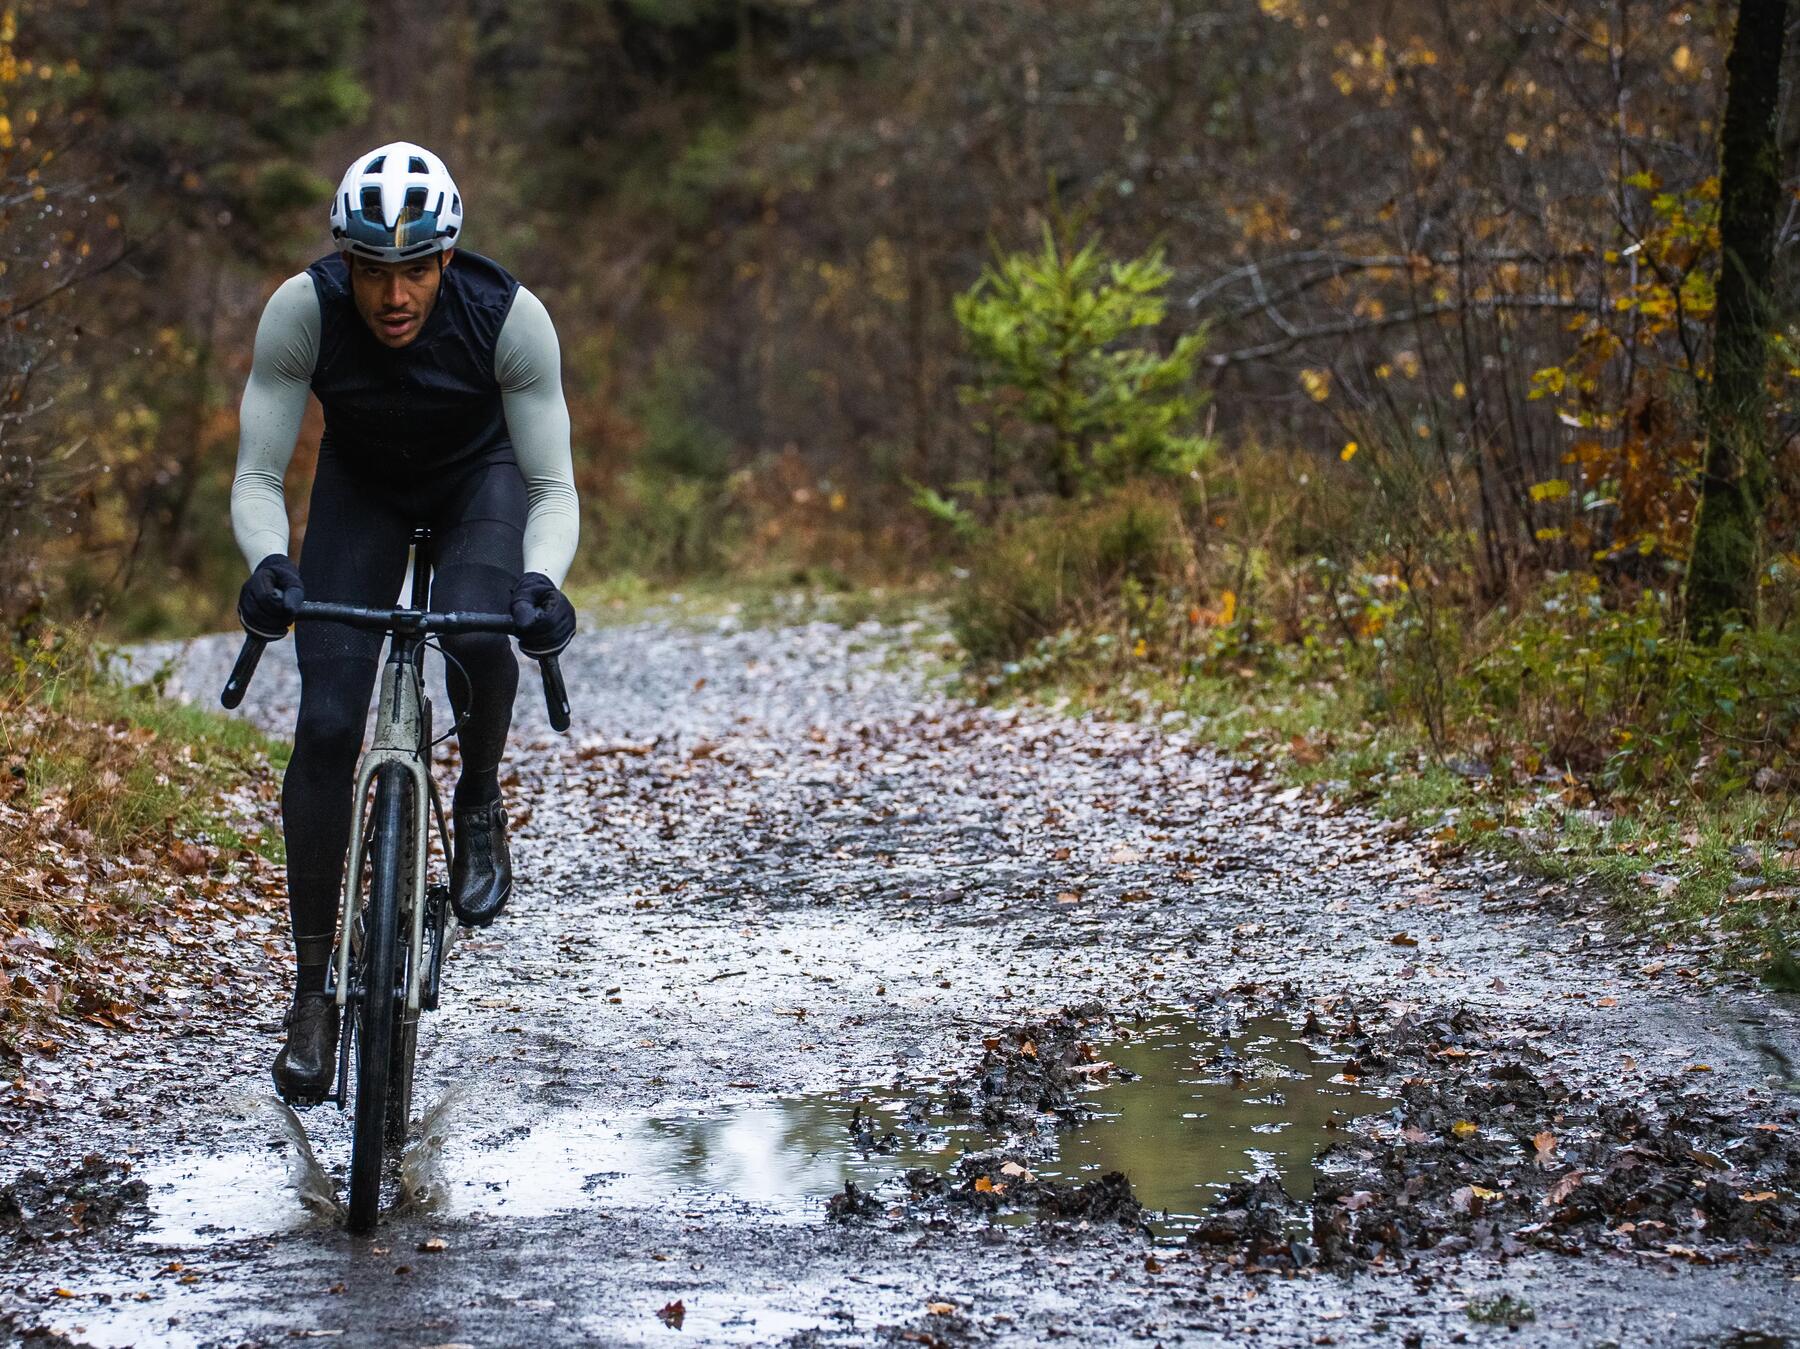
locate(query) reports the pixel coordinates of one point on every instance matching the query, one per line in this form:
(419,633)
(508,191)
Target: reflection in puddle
(1201,1112)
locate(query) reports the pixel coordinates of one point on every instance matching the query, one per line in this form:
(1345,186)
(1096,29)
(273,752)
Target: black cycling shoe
(307,1063)
(481,872)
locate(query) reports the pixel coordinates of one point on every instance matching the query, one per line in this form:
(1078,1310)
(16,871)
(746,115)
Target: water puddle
(1192,1112)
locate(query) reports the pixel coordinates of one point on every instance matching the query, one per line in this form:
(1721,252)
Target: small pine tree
(1061,388)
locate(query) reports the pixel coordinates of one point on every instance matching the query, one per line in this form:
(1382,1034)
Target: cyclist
(440,379)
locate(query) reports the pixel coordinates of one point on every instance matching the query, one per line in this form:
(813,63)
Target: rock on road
(769,862)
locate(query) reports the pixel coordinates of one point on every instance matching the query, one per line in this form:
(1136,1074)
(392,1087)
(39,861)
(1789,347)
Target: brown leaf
(673,1314)
(1564,1187)
(1402,939)
(189,859)
(1545,1143)
(940,1308)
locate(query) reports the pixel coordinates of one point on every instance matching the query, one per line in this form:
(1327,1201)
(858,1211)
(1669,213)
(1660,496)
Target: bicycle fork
(399,740)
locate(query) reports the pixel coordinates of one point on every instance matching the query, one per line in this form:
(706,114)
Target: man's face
(395,298)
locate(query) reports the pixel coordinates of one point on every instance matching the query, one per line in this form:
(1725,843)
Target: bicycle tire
(400,1088)
(375,1044)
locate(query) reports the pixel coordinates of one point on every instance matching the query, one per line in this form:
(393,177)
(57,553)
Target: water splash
(312,1184)
(423,1184)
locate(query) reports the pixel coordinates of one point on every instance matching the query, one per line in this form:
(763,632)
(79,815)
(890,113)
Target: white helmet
(396,202)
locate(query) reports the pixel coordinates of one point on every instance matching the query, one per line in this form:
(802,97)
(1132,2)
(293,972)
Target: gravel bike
(396,926)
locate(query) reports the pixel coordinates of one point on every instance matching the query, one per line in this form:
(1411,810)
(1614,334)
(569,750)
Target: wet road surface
(775,887)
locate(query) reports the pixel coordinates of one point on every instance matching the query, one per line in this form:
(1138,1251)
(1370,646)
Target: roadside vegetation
(130,834)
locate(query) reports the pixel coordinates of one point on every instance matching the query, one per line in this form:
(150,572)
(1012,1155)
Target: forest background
(1339,375)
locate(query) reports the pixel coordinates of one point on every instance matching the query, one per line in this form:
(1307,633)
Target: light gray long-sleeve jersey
(527,364)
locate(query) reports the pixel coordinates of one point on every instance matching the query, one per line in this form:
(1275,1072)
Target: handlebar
(411,622)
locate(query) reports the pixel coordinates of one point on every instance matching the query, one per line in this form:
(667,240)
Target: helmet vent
(374,165)
(371,202)
(416,165)
(415,204)
(456,203)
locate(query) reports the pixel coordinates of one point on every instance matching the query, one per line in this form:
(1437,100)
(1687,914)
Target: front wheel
(378,1018)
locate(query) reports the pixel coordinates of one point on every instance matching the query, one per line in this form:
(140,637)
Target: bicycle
(380,982)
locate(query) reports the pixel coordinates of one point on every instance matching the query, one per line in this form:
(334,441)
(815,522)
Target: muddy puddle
(1182,1110)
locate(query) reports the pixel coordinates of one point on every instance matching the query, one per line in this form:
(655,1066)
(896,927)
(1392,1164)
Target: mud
(96,1195)
(776,865)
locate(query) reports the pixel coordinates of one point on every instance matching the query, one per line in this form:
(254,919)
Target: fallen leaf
(189,859)
(1402,939)
(1699,1067)
(1564,1187)
(1545,1143)
(433,1245)
(1757,1196)
(940,1308)
(1483,1193)
(1607,1002)
(1464,1128)
(983,1185)
(673,1314)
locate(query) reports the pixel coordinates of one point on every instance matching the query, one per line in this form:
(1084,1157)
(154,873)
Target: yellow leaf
(1317,384)
(1482,1192)
(1518,140)
(1348,452)
(1459,389)
(1682,59)
(1552,490)
(1227,608)
(1464,1128)
(985,1186)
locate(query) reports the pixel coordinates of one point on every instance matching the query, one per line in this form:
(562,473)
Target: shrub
(1078,564)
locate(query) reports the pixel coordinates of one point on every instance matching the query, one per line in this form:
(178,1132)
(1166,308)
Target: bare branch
(1346,327)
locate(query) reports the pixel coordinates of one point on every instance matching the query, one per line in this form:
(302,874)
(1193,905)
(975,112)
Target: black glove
(542,615)
(270,600)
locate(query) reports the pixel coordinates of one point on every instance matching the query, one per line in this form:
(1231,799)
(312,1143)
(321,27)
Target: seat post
(421,575)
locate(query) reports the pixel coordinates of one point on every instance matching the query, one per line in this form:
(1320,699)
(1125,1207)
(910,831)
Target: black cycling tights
(355,552)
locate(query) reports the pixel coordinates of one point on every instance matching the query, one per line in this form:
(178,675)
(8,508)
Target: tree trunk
(1734,488)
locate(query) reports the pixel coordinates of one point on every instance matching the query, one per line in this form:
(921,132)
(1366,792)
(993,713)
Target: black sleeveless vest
(392,414)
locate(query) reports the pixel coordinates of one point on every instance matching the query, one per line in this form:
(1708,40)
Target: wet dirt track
(774,862)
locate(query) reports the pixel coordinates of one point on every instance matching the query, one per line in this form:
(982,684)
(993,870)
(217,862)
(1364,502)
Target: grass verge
(1678,863)
(130,834)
